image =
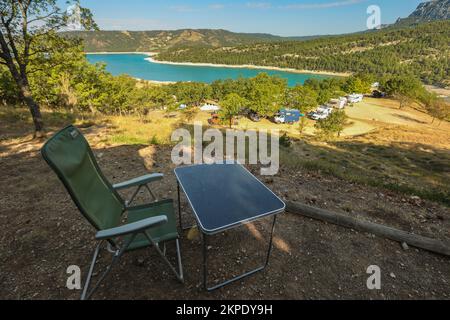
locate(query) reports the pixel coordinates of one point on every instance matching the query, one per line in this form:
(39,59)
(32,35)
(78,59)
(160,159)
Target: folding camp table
(222,197)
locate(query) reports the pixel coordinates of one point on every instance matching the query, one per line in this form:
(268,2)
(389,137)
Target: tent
(210,107)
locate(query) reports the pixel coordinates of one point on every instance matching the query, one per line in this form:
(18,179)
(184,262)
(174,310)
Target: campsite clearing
(44,233)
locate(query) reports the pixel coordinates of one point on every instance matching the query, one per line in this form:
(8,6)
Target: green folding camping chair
(69,155)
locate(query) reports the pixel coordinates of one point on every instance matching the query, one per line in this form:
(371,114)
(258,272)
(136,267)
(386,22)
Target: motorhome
(339,103)
(355,98)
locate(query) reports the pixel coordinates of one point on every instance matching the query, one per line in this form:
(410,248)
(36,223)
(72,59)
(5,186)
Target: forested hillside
(422,50)
(144,41)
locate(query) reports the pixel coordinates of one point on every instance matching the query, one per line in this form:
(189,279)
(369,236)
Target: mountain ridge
(428,11)
(157,40)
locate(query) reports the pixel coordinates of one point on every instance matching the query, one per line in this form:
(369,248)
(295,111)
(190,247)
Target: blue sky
(282,17)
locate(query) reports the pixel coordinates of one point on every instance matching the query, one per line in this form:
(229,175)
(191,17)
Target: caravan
(339,103)
(355,98)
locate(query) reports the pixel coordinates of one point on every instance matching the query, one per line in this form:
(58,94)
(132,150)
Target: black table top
(224,196)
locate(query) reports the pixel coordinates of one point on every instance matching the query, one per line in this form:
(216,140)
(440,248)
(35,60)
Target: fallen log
(429,244)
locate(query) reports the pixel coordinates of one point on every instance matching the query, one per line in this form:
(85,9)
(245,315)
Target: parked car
(319,115)
(254,117)
(215,119)
(325,109)
(288,116)
(378,94)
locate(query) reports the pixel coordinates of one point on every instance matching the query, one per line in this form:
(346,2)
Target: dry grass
(386,147)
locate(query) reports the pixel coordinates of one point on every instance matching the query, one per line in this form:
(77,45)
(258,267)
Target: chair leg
(135,194)
(180,265)
(85,295)
(129,202)
(178,274)
(91,270)
(155,199)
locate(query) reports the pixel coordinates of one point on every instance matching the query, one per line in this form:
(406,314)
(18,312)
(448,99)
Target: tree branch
(11,41)
(13,15)
(43,17)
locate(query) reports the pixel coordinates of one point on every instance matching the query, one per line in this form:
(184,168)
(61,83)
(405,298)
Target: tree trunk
(433,245)
(34,108)
(21,79)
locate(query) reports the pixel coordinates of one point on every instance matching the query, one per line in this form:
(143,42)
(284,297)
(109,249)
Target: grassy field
(400,150)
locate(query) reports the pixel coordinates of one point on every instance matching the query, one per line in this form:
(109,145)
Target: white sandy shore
(123,52)
(247,66)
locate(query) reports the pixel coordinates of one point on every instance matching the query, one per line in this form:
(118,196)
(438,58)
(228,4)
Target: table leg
(240,277)
(179,211)
(205,261)
(179,205)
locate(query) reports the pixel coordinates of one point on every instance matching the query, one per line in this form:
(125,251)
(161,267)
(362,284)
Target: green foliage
(8,89)
(327,88)
(333,125)
(191,93)
(436,107)
(302,98)
(358,84)
(405,88)
(30,43)
(302,125)
(222,88)
(232,106)
(266,94)
(285,141)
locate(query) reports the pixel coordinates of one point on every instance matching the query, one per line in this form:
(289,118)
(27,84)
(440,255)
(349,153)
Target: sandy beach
(123,52)
(152,59)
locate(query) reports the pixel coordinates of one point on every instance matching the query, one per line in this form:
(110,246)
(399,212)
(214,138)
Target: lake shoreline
(248,66)
(151,59)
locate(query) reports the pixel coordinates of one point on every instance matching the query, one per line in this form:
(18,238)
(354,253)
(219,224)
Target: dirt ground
(43,234)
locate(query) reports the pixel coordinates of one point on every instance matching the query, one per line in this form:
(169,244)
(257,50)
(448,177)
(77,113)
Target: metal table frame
(205,243)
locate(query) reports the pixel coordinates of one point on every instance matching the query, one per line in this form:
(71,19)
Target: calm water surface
(136,66)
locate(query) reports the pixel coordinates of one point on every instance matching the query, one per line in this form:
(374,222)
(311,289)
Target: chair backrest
(69,155)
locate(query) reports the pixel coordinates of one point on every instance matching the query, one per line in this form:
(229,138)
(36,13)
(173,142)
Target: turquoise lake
(136,66)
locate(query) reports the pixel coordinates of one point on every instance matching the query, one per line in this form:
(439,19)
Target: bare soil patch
(43,234)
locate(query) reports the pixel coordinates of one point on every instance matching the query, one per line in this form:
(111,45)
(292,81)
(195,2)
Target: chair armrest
(131,228)
(139,181)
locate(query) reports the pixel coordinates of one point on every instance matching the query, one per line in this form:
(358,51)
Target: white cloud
(216,6)
(182,8)
(131,24)
(322,5)
(259,5)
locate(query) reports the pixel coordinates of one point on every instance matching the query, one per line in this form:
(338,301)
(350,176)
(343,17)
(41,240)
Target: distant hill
(420,49)
(144,41)
(428,11)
